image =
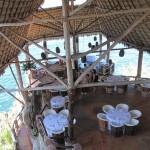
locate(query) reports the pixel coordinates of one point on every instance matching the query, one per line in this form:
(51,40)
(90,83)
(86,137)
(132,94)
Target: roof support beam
(3,89)
(39,46)
(111,13)
(75,17)
(111,47)
(79,86)
(80,7)
(39,63)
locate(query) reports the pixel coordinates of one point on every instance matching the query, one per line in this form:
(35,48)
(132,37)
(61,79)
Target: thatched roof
(13,11)
(116,17)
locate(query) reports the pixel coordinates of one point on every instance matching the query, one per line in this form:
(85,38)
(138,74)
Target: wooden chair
(53,93)
(121,89)
(48,112)
(103,122)
(135,114)
(64,93)
(130,128)
(109,89)
(123,106)
(116,130)
(107,108)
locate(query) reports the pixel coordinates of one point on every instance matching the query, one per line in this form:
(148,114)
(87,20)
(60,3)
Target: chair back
(59,137)
(123,106)
(102,121)
(64,93)
(130,128)
(135,114)
(48,112)
(116,130)
(64,112)
(107,108)
(53,93)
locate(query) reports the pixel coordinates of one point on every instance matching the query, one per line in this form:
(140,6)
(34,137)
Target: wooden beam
(112,46)
(3,89)
(79,86)
(75,17)
(13,75)
(39,46)
(110,13)
(94,49)
(80,7)
(40,64)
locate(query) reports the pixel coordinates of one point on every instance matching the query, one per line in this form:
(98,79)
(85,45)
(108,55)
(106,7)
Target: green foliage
(6,142)
(28,66)
(6,136)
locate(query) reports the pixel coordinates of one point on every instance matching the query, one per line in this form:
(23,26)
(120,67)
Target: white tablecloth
(115,78)
(57,101)
(118,117)
(145,85)
(55,122)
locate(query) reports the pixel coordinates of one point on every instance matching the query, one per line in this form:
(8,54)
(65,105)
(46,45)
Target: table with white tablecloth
(55,123)
(115,78)
(118,117)
(57,101)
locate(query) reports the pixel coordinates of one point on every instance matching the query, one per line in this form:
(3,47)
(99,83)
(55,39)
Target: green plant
(29,65)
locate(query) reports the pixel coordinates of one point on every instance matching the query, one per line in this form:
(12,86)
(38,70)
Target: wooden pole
(39,46)
(20,82)
(111,47)
(65,12)
(107,59)
(12,95)
(140,59)
(100,42)
(80,7)
(141,81)
(14,75)
(40,64)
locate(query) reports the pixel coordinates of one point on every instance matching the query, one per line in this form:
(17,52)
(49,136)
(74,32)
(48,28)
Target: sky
(54,3)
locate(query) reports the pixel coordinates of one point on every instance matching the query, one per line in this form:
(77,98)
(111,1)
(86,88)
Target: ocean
(126,65)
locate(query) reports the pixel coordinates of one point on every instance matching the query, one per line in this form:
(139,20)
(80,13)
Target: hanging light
(121,53)
(93,46)
(57,50)
(96,44)
(95,38)
(43,55)
(89,45)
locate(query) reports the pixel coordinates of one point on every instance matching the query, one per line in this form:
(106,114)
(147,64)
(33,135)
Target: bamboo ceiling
(87,20)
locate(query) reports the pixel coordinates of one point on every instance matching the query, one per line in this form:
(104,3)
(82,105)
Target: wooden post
(107,58)
(65,12)
(140,59)
(100,42)
(24,94)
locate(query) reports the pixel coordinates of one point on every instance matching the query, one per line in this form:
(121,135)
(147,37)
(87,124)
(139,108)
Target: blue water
(126,65)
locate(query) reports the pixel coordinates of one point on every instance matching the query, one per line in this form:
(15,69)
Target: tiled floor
(87,131)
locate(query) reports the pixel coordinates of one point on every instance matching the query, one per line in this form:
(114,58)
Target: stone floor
(87,130)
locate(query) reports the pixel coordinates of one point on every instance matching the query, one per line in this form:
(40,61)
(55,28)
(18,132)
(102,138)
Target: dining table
(118,116)
(55,123)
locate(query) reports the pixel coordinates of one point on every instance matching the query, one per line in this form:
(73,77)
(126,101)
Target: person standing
(94,78)
(85,81)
